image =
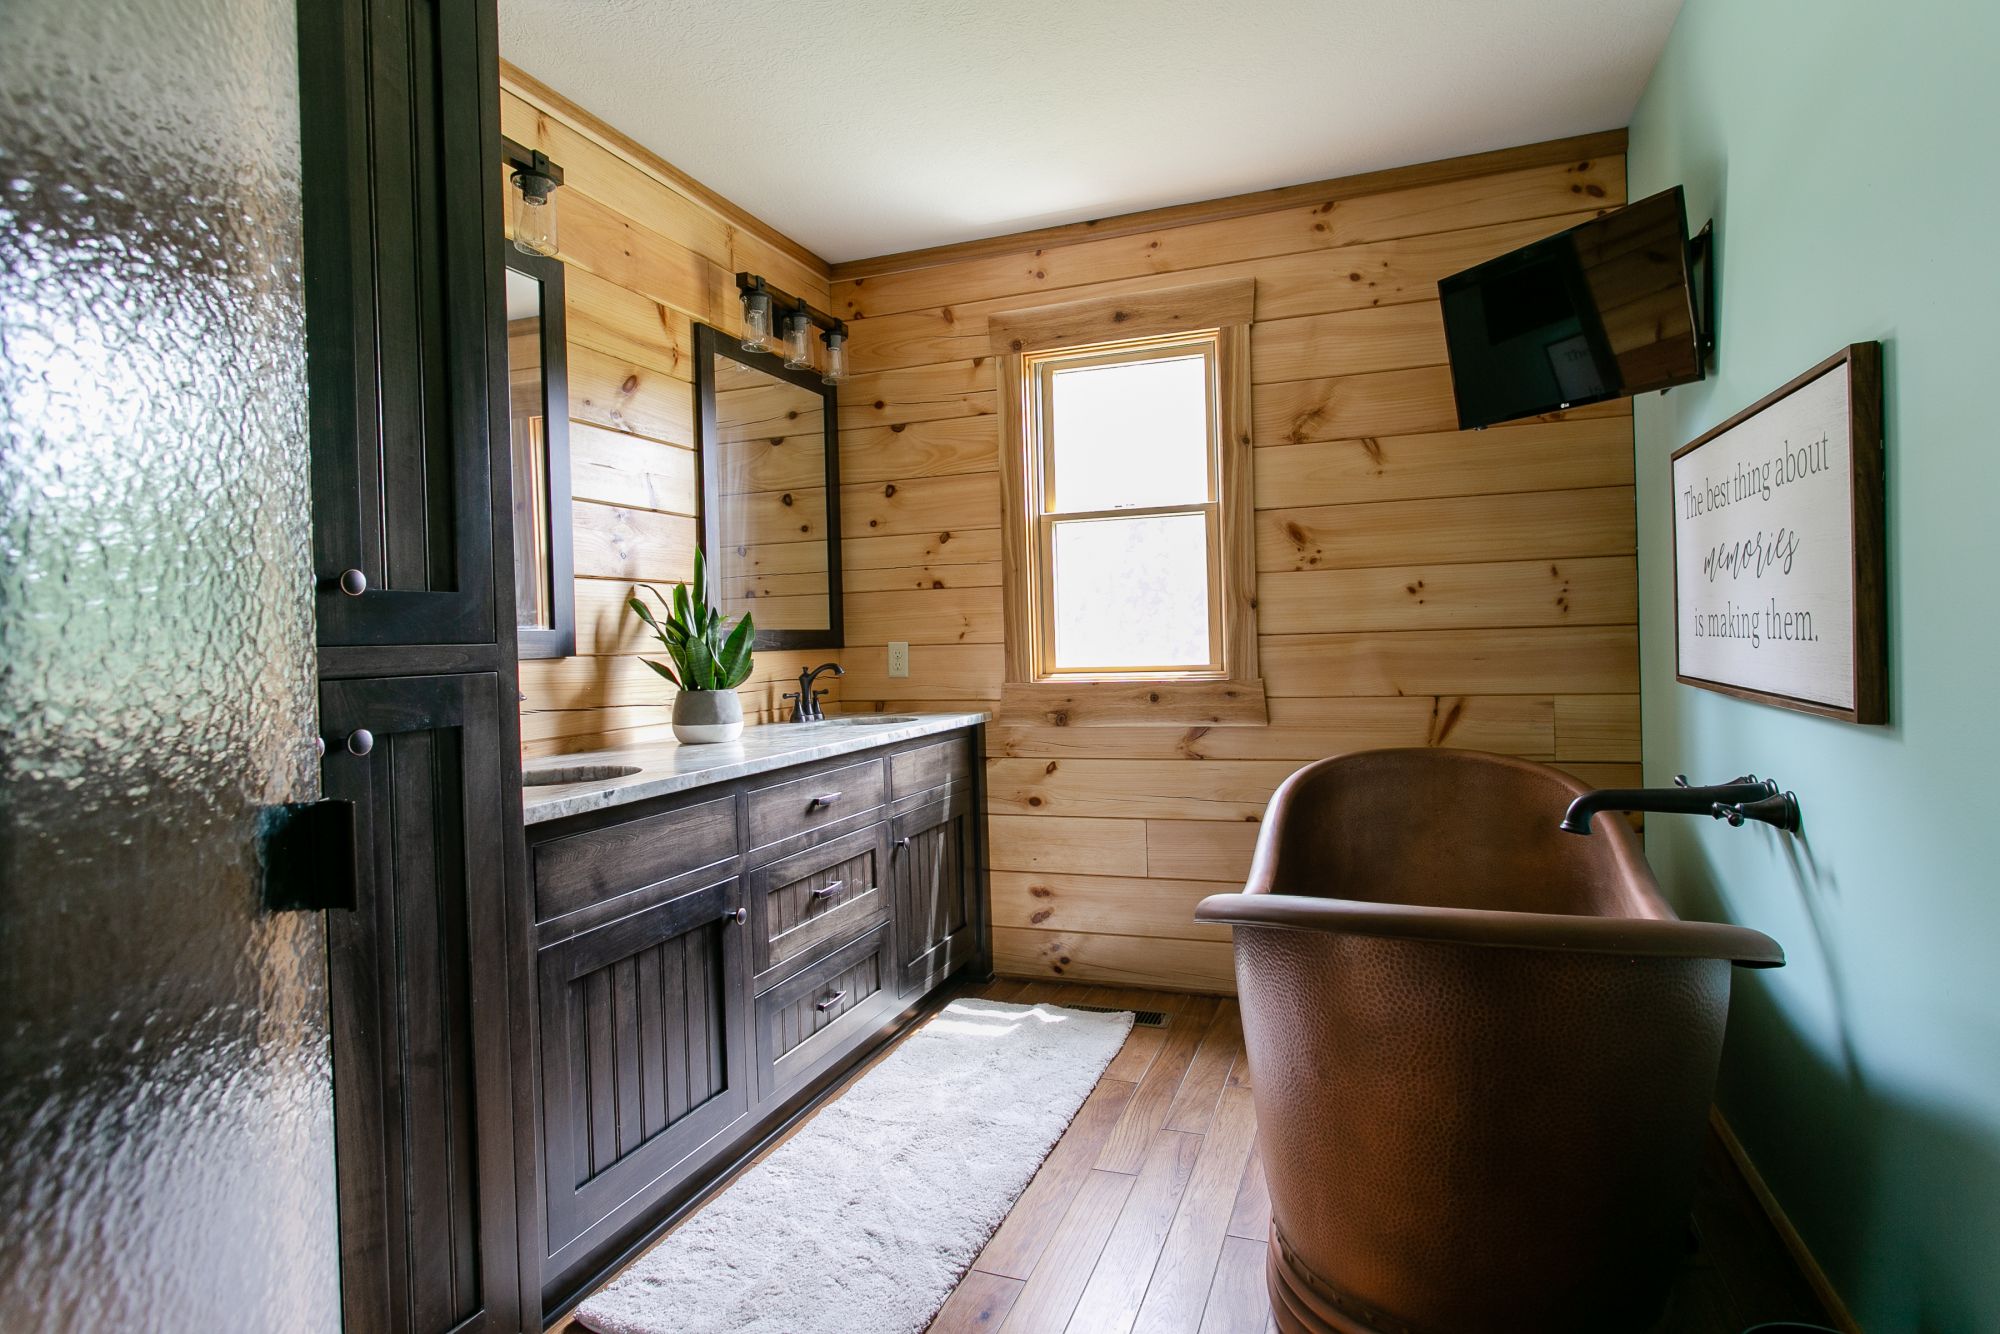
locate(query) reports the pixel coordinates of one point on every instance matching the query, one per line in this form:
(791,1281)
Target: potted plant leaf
(709,659)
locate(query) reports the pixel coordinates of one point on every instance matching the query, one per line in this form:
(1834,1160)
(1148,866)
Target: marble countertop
(668,767)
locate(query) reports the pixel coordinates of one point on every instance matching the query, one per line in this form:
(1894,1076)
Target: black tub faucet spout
(1745,798)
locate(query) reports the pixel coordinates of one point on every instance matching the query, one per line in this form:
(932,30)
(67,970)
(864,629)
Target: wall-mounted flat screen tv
(1603,310)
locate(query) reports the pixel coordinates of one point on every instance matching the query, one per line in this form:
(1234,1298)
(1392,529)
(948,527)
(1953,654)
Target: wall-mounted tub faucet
(1745,798)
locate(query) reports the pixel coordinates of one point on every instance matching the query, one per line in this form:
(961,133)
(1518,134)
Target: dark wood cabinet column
(412,552)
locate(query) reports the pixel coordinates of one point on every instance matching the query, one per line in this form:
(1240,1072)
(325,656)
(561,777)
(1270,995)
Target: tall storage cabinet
(418,693)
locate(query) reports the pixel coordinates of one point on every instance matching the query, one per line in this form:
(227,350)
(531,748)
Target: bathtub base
(1304,1303)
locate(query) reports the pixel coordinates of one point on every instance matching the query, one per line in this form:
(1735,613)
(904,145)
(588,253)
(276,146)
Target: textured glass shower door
(166,1140)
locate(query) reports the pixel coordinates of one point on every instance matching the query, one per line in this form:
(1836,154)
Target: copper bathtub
(1482,1050)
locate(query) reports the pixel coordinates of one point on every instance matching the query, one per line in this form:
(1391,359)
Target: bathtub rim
(1665,935)
(1633,937)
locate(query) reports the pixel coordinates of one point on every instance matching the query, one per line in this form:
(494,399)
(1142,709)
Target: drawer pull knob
(740,916)
(353,583)
(828,891)
(360,741)
(902,843)
(821,802)
(827,1003)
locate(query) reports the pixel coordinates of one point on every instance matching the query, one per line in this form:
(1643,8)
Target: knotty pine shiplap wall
(1417,586)
(646,253)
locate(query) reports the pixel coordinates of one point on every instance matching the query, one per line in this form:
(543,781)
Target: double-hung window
(1128,550)
(1126,479)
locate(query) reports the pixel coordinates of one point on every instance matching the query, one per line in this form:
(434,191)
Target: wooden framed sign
(1778,564)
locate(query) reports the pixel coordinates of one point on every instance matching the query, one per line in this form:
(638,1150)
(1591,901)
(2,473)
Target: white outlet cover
(899,658)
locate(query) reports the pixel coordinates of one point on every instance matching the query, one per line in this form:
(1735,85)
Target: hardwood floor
(1150,1213)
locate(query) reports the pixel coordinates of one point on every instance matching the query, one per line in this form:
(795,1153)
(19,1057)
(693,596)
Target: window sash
(1039,380)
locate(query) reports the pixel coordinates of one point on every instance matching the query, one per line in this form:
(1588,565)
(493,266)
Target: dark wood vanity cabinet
(413,559)
(709,963)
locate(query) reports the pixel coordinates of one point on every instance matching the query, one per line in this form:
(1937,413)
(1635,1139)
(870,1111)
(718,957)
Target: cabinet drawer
(581,869)
(779,815)
(810,1020)
(947,761)
(812,901)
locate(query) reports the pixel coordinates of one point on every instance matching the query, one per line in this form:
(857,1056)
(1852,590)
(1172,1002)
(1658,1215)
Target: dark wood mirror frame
(711,343)
(558,639)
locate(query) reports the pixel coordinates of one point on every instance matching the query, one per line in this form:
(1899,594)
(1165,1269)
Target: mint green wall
(1849,153)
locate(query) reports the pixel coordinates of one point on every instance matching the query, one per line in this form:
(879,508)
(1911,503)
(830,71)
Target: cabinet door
(422,1077)
(645,1053)
(935,856)
(404,336)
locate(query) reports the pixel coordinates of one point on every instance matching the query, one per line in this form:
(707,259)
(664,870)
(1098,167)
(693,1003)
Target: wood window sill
(1136,703)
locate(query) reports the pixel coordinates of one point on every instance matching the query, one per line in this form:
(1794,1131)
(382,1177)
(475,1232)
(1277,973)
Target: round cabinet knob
(360,741)
(353,583)
(319,746)
(740,916)
(902,843)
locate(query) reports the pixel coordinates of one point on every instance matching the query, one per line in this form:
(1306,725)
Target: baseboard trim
(1815,1277)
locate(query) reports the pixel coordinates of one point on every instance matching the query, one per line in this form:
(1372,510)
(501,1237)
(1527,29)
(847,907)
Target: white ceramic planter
(702,717)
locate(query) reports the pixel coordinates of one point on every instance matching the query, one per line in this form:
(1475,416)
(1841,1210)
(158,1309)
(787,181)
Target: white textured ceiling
(860,127)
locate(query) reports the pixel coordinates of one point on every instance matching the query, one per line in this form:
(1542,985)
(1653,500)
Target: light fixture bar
(783,302)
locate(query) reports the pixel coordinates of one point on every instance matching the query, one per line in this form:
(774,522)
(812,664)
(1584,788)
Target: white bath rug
(864,1220)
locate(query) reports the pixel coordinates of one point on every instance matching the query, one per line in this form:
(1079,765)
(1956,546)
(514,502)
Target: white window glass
(1131,592)
(1130,435)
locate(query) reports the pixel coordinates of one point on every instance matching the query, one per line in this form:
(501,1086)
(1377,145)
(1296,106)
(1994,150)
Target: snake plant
(705,655)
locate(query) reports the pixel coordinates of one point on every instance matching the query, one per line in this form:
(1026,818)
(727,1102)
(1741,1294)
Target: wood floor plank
(1194,1105)
(1147,1112)
(1044,1305)
(1111,1301)
(1136,1057)
(1250,1219)
(1238,1301)
(1024,1235)
(1179,1291)
(979,1303)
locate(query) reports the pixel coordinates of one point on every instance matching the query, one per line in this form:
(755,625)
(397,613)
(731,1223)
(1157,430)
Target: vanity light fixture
(756,314)
(798,346)
(771,315)
(836,354)
(535,180)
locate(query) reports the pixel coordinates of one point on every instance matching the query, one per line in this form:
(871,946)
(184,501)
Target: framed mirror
(538,442)
(770,466)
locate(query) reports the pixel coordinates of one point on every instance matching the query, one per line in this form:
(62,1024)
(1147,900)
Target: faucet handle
(1733,814)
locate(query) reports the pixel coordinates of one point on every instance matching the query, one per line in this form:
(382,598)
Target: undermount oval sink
(874,719)
(576,773)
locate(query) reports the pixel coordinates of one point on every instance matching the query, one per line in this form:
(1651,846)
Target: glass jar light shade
(836,357)
(756,321)
(534,214)
(798,341)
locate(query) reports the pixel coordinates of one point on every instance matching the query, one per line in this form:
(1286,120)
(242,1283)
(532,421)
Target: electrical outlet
(899,658)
